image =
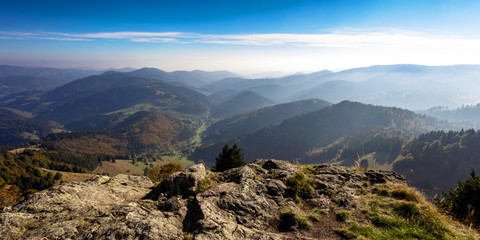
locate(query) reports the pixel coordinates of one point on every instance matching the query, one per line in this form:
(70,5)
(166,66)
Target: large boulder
(249,202)
(183,183)
(98,208)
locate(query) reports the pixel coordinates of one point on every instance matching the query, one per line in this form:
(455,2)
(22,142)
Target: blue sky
(242,36)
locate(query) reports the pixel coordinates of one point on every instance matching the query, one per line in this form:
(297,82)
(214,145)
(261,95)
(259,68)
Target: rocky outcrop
(241,203)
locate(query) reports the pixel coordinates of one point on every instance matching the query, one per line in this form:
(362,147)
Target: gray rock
(238,175)
(183,183)
(98,208)
(242,203)
(382,176)
(275,187)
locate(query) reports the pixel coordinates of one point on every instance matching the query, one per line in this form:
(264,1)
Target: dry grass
(112,168)
(21,150)
(396,211)
(70,176)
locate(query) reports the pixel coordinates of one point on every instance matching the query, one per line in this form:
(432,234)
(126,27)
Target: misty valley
(60,126)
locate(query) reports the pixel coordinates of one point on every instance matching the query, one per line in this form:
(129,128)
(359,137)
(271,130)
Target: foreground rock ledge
(241,203)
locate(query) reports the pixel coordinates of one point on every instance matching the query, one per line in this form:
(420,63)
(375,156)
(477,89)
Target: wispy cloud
(154,40)
(124,35)
(349,38)
(62,38)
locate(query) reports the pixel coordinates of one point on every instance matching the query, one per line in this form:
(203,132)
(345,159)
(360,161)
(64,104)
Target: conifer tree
(229,158)
(463,201)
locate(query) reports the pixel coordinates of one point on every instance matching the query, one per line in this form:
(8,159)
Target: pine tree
(229,158)
(463,201)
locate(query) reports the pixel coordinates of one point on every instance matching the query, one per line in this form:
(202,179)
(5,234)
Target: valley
(129,122)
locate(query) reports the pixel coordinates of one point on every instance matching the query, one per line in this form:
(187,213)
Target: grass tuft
(291,218)
(203,185)
(300,186)
(188,236)
(343,215)
(302,221)
(405,193)
(319,211)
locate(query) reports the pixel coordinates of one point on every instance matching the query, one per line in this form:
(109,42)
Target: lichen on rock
(240,203)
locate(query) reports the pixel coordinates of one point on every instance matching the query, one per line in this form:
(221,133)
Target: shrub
(57,176)
(157,174)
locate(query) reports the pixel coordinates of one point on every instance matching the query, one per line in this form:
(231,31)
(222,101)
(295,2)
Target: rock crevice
(240,203)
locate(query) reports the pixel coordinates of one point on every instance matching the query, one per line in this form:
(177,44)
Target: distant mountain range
(192,79)
(15,79)
(413,87)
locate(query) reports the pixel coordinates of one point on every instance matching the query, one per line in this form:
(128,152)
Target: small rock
(276,187)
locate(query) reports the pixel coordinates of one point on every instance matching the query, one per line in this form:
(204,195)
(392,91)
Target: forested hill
(15,79)
(240,103)
(294,138)
(257,119)
(16,129)
(435,161)
(138,133)
(467,116)
(106,93)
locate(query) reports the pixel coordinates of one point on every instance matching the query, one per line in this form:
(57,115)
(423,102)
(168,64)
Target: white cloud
(351,38)
(62,38)
(124,35)
(341,48)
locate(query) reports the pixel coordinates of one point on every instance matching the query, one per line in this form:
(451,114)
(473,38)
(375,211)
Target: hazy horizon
(245,74)
(245,37)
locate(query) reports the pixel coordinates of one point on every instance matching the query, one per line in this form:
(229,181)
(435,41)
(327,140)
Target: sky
(240,36)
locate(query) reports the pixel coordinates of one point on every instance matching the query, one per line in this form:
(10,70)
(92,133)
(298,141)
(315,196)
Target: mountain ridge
(296,136)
